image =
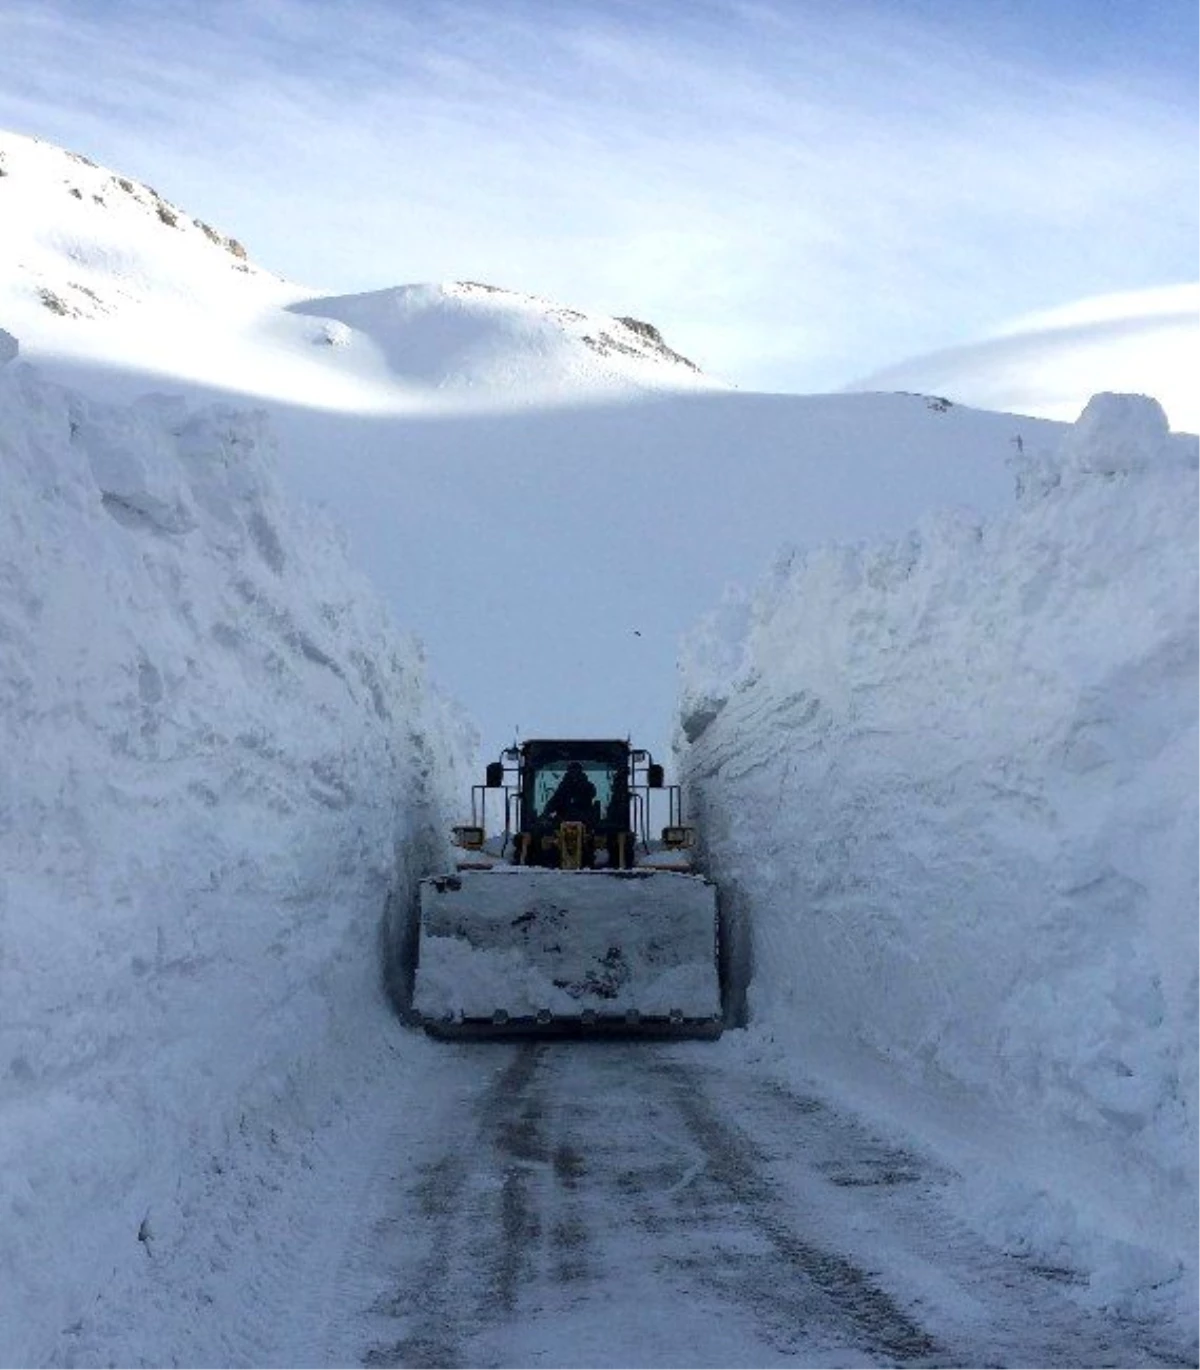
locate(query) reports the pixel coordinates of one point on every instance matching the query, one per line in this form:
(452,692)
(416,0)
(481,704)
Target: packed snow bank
(217,758)
(949,788)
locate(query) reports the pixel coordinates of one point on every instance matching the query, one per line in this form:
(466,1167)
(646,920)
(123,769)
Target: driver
(574,797)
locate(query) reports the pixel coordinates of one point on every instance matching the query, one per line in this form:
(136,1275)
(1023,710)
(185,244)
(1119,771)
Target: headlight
(678,837)
(468,836)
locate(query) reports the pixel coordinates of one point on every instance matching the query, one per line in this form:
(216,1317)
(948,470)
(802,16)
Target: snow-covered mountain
(99,267)
(1144,341)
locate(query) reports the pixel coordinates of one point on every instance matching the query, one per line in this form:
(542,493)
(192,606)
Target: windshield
(587,794)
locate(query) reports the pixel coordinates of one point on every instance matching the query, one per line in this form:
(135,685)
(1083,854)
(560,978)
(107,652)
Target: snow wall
(217,760)
(948,788)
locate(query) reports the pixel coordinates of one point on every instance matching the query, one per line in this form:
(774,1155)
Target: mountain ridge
(102,264)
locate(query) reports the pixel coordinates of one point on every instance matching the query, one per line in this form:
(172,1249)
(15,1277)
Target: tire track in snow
(495,1218)
(735,1170)
(593,1186)
(615,1203)
(888,1212)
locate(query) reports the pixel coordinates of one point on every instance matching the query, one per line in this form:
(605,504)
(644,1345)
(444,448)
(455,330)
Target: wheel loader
(563,915)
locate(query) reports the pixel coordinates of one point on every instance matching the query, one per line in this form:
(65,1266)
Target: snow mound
(1118,435)
(219,760)
(467,336)
(1049,364)
(948,787)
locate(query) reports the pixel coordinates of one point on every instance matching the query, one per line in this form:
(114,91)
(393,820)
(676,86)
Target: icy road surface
(578,1204)
(575,1204)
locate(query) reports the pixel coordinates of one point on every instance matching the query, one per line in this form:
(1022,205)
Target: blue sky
(795,193)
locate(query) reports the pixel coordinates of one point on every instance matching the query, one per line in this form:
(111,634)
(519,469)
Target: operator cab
(563,783)
(572,803)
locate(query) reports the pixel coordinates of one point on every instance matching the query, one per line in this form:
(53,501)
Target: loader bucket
(525,950)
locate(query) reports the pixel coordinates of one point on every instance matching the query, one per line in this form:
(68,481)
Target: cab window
(547,779)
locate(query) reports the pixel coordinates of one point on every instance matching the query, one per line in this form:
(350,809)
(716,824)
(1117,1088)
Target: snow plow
(570,919)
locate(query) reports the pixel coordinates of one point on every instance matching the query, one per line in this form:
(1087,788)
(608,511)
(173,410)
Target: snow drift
(948,786)
(217,758)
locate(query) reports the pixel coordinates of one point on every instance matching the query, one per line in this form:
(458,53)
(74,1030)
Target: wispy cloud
(795,194)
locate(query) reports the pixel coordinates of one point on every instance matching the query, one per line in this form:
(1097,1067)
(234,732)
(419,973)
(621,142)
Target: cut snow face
(218,759)
(947,785)
(1049,364)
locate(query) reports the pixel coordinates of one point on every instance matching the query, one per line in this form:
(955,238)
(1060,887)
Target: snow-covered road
(634,1204)
(602,1203)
